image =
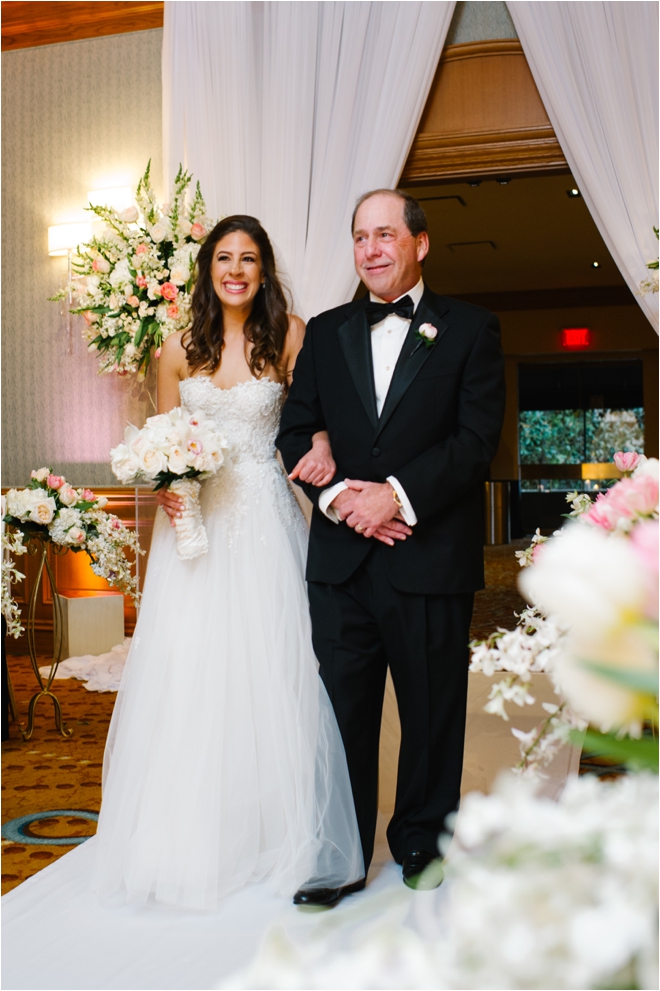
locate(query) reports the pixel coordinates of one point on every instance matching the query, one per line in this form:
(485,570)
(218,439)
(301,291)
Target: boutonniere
(426,334)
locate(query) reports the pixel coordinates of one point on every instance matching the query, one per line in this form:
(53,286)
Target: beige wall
(76,117)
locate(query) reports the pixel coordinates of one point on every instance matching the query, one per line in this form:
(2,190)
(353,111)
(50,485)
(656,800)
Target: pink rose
(133,301)
(644,540)
(90,317)
(88,495)
(76,535)
(141,249)
(173,311)
(635,496)
(54,481)
(101,265)
(197,232)
(67,494)
(602,513)
(169,291)
(142,281)
(428,331)
(627,461)
(157,352)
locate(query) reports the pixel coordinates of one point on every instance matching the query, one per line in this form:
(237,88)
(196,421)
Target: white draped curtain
(289,111)
(596,68)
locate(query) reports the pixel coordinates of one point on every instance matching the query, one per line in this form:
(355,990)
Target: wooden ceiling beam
(29,24)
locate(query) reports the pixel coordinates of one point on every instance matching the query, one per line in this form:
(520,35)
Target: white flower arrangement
(133,282)
(592,626)
(52,510)
(176,450)
(12,546)
(537,894)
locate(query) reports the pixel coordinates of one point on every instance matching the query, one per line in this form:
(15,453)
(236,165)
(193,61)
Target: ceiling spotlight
(573,193)
(595,264)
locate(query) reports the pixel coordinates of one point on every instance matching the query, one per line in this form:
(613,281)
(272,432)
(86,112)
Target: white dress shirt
(387,339)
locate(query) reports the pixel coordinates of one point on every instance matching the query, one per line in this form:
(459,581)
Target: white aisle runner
(57,936)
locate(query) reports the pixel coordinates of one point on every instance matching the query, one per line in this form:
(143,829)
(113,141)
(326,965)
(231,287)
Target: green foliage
(575,436)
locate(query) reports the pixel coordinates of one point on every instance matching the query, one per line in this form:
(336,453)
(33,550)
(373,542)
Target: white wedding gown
(224,763)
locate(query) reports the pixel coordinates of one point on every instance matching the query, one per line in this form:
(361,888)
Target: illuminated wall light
(575,338)
(573,193)
(63,238)
(595,264)
(119,197)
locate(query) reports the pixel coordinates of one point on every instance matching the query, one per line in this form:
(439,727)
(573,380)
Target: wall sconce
(63,239)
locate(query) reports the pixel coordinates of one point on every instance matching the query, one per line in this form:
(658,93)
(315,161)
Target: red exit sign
(575,338)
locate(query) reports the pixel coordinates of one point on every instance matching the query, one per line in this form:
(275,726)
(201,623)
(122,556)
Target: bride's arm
(172,368)
(317,467)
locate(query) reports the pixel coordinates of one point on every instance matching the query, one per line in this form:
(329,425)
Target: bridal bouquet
(174,449)
(133,282)
(52,510)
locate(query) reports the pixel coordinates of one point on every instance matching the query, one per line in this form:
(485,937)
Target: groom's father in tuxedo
(410,387)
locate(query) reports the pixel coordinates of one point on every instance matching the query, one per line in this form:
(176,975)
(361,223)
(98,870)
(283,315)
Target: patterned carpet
(51,786)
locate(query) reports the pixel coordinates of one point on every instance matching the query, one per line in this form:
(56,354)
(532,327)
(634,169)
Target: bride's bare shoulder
(173,353)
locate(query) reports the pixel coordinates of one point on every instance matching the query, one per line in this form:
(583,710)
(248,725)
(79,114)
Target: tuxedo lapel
(414,354)
(355,340)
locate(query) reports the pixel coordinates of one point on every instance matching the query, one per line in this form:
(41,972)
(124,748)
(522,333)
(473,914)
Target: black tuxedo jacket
(437,433)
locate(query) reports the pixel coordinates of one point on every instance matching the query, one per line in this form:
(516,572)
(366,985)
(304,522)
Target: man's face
(387,257)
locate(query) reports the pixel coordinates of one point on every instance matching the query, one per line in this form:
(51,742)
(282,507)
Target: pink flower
(142,281)
(90,317)
(537,552)
(67,494)
(76,535)
(54,481)
(169,291)
(101,265)
(197,232)
(173,311)
(601,513)
(88,495)
(157,352)
(644,540)
(428,331)
(141,249)
(627,461)
(635,496)
(133,301)
(115,524)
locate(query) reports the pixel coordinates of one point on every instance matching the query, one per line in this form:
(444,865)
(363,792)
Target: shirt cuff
(408,513)
(326,498)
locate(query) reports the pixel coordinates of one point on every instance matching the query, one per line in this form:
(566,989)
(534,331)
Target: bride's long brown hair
(267,325)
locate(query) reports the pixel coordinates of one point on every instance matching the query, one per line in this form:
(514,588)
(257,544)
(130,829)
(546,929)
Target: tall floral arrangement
(133,281)
(592,625)
(49,509)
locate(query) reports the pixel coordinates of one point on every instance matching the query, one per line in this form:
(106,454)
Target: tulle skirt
(224,763)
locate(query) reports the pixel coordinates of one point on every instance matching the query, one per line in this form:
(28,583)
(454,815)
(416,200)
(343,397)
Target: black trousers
(359,628)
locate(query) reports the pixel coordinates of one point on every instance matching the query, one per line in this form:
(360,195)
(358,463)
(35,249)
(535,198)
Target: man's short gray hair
(413,215)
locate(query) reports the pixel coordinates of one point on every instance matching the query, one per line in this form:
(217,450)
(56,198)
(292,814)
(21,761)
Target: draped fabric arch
(596,68)
(289,111)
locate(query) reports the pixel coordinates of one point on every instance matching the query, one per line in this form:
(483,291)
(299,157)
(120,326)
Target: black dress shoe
(326,897)
(422,870)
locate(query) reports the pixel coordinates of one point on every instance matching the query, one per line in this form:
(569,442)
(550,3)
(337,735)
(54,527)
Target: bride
(224,763)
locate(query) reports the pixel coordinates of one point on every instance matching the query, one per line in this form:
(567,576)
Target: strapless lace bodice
(248,414)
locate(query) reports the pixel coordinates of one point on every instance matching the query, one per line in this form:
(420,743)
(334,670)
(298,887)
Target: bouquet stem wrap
(191,539)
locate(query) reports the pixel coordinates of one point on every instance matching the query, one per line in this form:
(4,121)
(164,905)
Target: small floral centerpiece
(50,509)
(133,281)
(591,625)
(176,450)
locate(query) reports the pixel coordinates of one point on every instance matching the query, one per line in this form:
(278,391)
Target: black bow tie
(376,312)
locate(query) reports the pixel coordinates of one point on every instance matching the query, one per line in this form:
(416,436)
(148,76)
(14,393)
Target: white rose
(152,462)
(43,510)
(649,466)
(185,226)
(100,503)
(120,275)
(129,215)
(177,461)
(179,275)
(41,475)
(68,495)
(76,535)
(158,232)
(125,464)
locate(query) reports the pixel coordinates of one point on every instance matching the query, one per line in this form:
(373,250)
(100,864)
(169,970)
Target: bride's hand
(171,503)
(317,467)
